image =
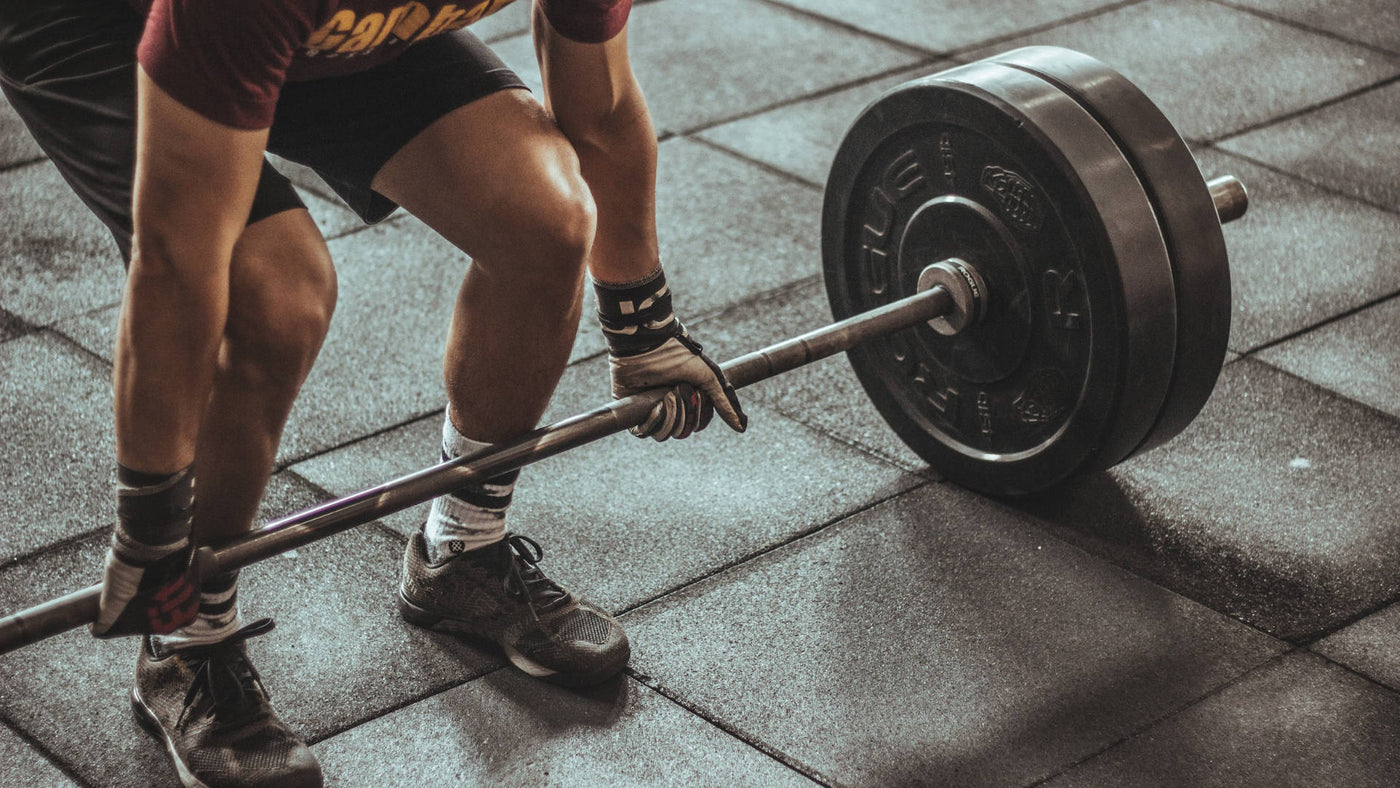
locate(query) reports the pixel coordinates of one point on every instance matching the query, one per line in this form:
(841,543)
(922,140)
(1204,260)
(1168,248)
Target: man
(158,113)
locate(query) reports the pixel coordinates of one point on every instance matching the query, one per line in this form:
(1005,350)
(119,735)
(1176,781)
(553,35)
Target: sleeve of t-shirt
(587,21)
(225,59)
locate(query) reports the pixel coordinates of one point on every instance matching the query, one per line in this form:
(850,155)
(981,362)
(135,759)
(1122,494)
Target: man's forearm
(618,160)
(595,98)
(194,184)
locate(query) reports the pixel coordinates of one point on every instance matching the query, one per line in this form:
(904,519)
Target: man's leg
(282,294)
(498,180)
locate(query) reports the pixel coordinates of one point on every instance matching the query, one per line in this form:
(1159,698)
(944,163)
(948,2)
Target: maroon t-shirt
(228,59)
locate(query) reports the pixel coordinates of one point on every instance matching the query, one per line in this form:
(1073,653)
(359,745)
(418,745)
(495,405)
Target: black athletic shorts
(69,69)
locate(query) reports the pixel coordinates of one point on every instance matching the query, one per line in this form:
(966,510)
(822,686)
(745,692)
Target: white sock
(218,616)
(473,515)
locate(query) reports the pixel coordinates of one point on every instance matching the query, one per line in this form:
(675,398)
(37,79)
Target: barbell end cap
(968,291)
(1230,198)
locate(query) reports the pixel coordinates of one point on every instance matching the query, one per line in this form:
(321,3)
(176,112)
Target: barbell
(1028,274)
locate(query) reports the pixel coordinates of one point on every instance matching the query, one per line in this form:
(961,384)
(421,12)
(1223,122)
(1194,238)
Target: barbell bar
(991,210)
(296,530)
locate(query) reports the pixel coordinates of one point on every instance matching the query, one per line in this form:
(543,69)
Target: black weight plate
(1189,223)
(1000,168)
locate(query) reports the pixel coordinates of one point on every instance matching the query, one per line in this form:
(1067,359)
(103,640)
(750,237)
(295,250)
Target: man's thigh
(347,128)
(68,67)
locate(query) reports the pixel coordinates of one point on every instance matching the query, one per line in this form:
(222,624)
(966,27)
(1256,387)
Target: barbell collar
(966,289)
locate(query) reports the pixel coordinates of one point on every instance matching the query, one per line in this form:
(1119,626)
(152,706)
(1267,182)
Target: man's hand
(699,388)
(151,583)
(648,348)
(147,590)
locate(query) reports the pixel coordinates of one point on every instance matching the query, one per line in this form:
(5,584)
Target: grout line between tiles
(1301,111)
(790,539)
(693,131)
(1305,27)
(959,53)
(400,705)
(1340,316)
(1293,176)
(1168,715)
(20,164)
(731,730)
(1353,671)
(43,750)
(848,27)
(760,164)
(1381,414)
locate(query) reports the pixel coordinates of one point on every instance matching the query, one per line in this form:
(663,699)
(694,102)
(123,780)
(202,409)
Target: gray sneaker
(208,707)
(498,593)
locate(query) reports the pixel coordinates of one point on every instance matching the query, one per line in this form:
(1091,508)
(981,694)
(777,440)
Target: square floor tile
(1213,69)
(56,258)
(512,20)
(1356,356)
(802,138)
(1375,22)
(57,453)
(1277,285)
(1274,506)
(935,640)
(509,730)
(1370,646)
(943,25)
(729,230)
(1352,146)
(702,63)
(21,766)
(1298,721)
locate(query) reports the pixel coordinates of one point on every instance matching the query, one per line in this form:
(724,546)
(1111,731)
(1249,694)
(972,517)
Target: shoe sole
(147,719)
(427,619)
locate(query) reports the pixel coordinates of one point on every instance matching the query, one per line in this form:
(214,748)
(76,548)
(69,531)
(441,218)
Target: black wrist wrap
(155,509)
(636,316)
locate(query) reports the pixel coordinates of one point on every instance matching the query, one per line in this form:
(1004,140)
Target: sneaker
(209,706)
(497,593)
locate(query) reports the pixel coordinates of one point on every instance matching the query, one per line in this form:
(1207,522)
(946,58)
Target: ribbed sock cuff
(473,515)
(219,616)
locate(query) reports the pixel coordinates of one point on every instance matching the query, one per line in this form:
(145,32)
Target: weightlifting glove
(150,583)
(649,348)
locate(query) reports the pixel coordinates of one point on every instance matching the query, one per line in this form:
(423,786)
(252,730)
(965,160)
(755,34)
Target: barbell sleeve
(1229,196)
(80,607)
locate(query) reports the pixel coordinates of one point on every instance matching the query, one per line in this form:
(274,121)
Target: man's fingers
(725,400)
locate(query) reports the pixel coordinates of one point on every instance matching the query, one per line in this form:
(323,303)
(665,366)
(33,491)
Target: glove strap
(636,316)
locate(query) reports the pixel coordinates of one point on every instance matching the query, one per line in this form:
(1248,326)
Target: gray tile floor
(809,604)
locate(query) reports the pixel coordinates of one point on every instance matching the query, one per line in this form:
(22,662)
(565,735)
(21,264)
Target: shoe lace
(525,578)
(226,686)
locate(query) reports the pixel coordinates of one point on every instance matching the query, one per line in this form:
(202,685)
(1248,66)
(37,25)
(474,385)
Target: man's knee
(556,232)
(283,297)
